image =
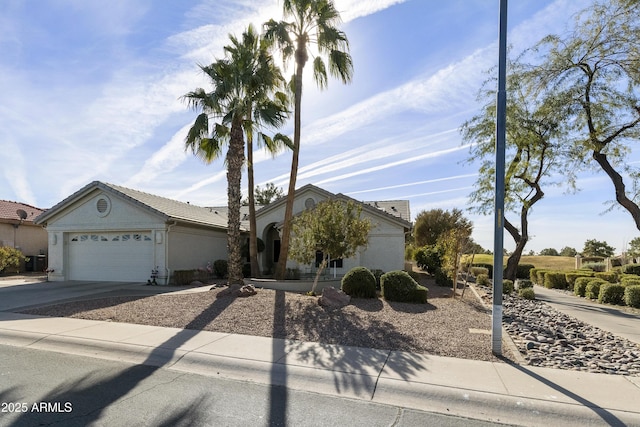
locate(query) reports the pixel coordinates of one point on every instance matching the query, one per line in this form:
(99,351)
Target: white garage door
(117,257)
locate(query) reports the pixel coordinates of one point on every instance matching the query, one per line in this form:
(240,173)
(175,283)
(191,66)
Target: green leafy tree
(549,252)
(595,71)
(333,227)
(11,258)
(531,155)
(453,244)
(568,251)
(311,22)
(593,247)
(433,223)
(266,195)
(242,83)
(634,248)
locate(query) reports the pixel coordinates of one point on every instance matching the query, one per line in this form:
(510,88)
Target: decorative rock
(237,290)
(196,283)
(247,291)
(333,298)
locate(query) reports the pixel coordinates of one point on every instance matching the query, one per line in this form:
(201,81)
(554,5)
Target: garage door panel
(111,256)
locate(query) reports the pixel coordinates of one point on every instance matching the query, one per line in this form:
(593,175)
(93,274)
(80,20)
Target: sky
(91,90)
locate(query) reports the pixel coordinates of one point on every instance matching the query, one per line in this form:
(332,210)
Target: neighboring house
(18,230)
(385,251)
(105,232)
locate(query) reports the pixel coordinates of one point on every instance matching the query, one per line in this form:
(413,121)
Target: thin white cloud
(410,184)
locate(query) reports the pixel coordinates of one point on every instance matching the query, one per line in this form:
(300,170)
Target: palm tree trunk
(253,237)
(235,161)
(288,213)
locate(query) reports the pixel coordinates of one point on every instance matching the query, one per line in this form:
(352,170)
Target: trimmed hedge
(522,271)
(555,280)
(359,282)
(507,286)
(630,280)
(609,276)
(540,276)
(524,283)
(185,277)
(483,279)
(527,293)
(631,269)
(592,291)
(632,296)
(399,286)
(533,275)
(573,275)
(580,286)
(476,271)
(489,268)
(611,293)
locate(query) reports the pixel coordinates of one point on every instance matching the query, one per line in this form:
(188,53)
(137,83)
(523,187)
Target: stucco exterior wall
(192,248)
(30,239)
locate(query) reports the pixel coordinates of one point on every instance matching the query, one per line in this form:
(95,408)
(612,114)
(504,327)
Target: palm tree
(239,101)
(313,22)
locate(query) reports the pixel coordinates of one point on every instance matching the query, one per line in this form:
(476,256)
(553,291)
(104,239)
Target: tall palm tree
(242,82)
(312,22)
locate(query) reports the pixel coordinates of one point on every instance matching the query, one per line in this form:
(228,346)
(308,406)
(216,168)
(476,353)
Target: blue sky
(91,91)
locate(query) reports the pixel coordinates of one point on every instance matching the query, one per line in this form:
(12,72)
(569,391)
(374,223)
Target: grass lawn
(539,261)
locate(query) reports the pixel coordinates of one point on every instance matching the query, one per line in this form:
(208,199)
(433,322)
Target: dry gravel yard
(444,326)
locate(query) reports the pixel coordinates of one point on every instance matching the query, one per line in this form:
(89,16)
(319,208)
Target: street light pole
(498,237)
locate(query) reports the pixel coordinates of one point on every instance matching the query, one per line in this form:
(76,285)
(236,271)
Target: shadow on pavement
(92,398)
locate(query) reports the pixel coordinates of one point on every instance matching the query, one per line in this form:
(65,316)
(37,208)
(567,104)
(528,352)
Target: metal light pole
(498,236)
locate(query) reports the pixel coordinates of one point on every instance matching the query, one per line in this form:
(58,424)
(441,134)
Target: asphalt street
(47,388)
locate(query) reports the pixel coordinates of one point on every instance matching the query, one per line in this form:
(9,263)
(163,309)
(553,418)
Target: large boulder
(333,298)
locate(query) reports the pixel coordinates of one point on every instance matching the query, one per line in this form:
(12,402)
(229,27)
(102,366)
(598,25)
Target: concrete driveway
(18,294)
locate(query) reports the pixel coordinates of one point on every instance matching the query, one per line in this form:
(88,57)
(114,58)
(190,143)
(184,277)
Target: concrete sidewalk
(492,391)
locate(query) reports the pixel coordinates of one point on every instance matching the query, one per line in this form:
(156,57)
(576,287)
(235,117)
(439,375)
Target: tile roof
(399,208)
(9,211)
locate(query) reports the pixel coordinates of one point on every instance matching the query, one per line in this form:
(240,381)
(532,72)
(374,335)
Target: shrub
(483,280)
(540,273)
(630,280)
(442,279)
(611,293)
(489,268)
(409,252)
(533,275)
(573,275)
(399,286)
(221,268)
(595,266)
(631,269)
(555,280)
(580,286)
(524,283)
(183,277)
(476,271)
(359,282)
(632,296)
(527,293)
(11,259)
(414,275)
(609,276)
(428,258)
(593,288)
(507,286)
(522,271)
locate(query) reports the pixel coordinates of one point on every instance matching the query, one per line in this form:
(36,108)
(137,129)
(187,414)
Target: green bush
(479,270)
(523,270)
(540,276)
(221,268)
(483,280)
(593,288)
(580,286)
(507,286)
(573,275)
(524,283)
(632,296)
(428,258)
(533,275)
(595,266)
(409,251)
(359,282)
(11,259)
(527,293)
(630,280)
(442,279)
(609,276)
(631,269)
(489,268)
(555,280)
(611,293)
(183,277)
(399,286)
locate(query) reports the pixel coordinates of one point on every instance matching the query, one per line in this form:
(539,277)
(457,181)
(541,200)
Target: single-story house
(18,230)
(385,250)
(106,232)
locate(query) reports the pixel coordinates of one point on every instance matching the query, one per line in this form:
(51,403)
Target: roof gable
(168,209)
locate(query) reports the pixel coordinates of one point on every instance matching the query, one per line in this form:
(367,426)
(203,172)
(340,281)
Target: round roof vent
(103,206)
(309,203)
